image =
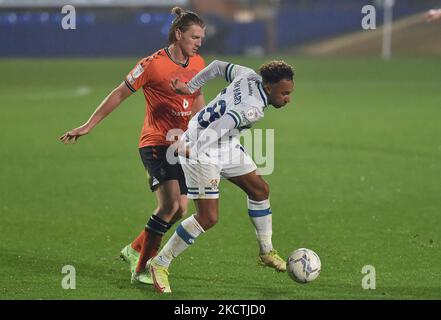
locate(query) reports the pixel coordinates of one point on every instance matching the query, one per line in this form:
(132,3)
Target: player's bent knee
(260,193)
(169,208)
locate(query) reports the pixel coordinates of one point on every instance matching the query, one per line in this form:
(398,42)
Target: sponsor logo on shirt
(138,71)
(181,113)
(250,86)
(185,103)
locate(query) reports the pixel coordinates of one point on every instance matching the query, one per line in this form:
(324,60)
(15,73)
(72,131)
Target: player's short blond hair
(275,71)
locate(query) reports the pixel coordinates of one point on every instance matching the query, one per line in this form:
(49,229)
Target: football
(303,265)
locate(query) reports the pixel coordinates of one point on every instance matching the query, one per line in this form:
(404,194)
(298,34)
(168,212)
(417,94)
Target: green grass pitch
(357,179)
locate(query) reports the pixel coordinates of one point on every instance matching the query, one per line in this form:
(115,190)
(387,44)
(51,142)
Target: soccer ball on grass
(303,265)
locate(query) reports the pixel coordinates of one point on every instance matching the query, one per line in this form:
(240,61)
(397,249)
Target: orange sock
(150,247)
(154,231)
(137,243)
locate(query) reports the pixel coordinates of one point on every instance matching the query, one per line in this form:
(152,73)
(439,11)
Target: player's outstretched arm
(110,103)
(432,15)
(213,70)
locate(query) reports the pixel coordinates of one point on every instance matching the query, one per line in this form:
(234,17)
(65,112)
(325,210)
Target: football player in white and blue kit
(212,134)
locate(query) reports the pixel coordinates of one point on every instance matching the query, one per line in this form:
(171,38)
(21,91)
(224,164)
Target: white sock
(261,216)
(184,236)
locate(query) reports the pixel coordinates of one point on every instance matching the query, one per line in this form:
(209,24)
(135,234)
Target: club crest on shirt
(214,183)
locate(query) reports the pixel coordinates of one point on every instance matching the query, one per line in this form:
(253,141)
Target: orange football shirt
(165,109)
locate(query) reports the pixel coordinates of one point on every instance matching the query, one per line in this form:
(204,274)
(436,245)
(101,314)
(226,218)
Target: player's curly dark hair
(184,19)
(274,71)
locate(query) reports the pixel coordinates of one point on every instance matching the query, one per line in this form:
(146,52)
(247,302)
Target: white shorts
(203,175)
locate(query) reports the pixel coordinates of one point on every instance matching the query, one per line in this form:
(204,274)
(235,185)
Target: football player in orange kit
(165,110)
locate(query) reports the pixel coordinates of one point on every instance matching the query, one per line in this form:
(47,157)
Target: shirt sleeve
(217,69)
(234,70)
(137,77)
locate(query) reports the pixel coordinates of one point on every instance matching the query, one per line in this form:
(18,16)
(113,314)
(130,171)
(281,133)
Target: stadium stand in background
(134,27)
